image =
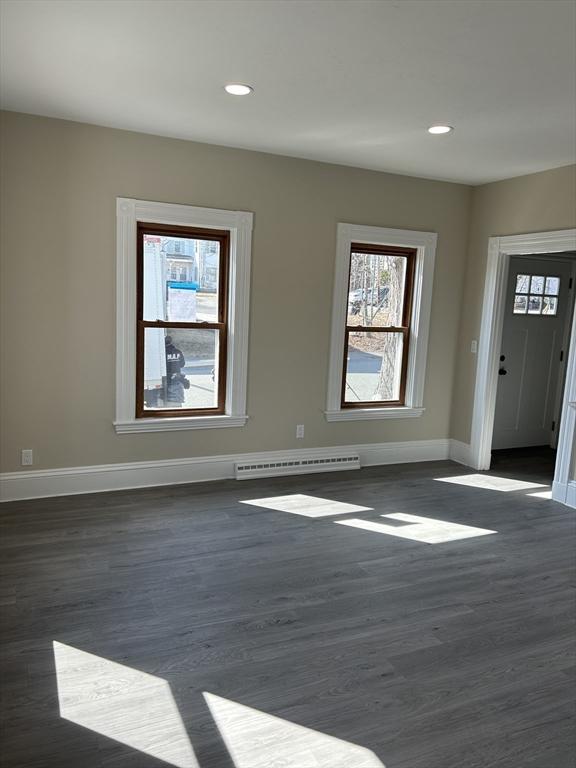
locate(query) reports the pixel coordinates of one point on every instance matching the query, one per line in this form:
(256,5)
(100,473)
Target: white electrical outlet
(474,347)
(27,457)
(299,431)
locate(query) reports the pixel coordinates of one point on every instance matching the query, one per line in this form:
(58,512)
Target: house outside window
(380,319)
(181,325)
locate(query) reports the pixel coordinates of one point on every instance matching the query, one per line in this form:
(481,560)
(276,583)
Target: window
(376,339)
(181,325)
(536,295)
(380,318)
(183,276)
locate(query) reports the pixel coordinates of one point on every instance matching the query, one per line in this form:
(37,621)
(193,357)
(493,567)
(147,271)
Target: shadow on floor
(536,464)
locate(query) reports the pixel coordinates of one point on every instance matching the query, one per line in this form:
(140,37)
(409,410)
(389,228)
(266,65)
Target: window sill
(363,414)
(179,423)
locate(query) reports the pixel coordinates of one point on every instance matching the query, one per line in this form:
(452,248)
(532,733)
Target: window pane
(552,285)
(181,279)
(376,289)
(373,367)
(535,305)
(180,368)
(520,305)
(550,305)
(522,283)
(537,284)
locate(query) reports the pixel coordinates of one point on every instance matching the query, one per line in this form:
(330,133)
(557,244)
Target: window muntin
(182,306)
(376,339)
(536,295)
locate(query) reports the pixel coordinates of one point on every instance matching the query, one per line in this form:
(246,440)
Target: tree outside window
(377,325)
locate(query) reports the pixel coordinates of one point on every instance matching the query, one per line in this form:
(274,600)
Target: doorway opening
(528,340)
(538,308)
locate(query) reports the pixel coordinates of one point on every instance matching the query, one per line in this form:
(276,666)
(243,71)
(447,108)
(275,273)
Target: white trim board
(36,484)
(564,488)
(239,223)
(460,453)
(565,493)
(571,494)
(500,249)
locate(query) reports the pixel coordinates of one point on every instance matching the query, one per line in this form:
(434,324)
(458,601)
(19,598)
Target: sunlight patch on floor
(307,506)
(491,482)
(541,494)
(424,529)
(124,704)
(256,739)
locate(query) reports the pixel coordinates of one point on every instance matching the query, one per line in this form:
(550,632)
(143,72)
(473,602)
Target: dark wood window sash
(410,255)
(164,230)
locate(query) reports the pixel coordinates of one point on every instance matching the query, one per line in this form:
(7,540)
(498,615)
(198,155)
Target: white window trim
(425,245)
(239,224)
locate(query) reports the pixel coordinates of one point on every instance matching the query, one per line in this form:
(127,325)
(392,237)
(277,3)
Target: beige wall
(60,181)
(59,184)
(536,203)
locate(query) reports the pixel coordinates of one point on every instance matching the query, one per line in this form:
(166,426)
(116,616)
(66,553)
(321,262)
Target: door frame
(500,249)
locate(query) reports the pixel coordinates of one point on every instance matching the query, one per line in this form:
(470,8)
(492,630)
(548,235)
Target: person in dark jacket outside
(175,379)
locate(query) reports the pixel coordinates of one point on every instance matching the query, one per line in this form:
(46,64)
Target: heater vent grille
(296,466)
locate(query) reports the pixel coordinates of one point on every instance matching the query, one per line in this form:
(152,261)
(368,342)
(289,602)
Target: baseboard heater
(245,471)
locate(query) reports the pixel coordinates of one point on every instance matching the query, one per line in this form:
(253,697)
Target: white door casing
(530,367)
(499,251)
(564,486)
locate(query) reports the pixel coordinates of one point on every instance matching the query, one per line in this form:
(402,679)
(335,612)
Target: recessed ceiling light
(237,89)
(440,129)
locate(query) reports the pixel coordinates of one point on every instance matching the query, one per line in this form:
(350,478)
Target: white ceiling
(355,82)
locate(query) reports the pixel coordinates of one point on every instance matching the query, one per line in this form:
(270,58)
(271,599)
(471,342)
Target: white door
(534,351)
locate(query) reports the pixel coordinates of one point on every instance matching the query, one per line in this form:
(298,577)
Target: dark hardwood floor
(535,463)
(449,655)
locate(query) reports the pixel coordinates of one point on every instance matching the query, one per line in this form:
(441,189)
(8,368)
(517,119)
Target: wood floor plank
(452,655)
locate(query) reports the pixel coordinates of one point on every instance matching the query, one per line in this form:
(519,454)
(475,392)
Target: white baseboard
(571,494)
(35,484)
(461,453)
(374,454)
(565,493)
